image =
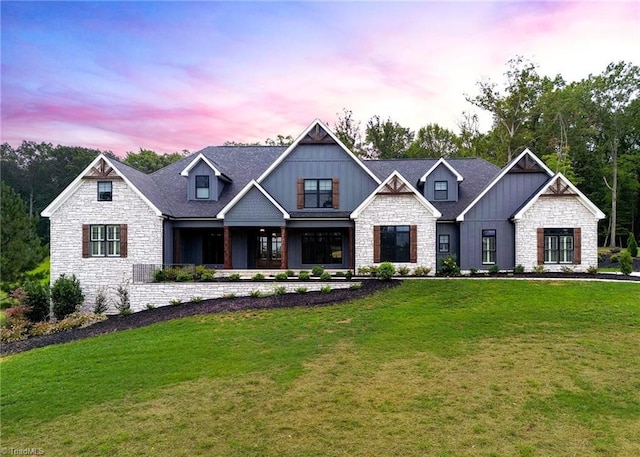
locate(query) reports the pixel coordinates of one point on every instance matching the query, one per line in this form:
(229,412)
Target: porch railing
(145,272)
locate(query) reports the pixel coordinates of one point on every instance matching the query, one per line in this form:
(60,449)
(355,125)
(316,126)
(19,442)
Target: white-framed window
(444,243)
(558,245)
(489,247)
(105,191)
(440,190)
(105,241)
(202,187)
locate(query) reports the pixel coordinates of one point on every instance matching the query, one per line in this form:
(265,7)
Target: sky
(170,76)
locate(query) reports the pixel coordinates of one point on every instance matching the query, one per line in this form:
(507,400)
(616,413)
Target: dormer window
(440,190)
(105,191)
(202,187)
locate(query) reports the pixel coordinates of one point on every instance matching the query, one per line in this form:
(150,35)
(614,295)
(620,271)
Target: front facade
(316,203)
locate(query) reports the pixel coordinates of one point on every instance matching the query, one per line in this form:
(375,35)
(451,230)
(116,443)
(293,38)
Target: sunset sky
(170,76)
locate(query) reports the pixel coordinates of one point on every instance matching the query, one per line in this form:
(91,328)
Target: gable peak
(317,135)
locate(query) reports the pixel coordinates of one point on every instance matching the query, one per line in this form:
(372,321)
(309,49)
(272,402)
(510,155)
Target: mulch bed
(219,305)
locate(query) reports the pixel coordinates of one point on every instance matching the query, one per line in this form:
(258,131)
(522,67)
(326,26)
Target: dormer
(205,180)
(441,182)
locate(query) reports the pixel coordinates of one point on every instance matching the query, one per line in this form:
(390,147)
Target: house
(316,203)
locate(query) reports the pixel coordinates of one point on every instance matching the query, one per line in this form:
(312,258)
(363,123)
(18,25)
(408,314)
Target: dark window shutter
(336,193)
(540,246)
(376,244)
(413,244)
(577,245)
(123,240)
(85,240)
(300,193)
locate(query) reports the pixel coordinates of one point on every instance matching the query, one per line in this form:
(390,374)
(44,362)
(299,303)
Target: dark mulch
(219,305)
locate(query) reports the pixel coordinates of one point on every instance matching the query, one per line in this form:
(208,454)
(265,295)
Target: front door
(268,249)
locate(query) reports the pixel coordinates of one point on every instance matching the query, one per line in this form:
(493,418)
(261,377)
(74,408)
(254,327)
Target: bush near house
(632,245)
(66,296)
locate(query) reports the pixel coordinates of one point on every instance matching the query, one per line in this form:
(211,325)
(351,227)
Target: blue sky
(184,75)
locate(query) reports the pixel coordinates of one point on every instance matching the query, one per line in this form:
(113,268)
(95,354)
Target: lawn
(437,367)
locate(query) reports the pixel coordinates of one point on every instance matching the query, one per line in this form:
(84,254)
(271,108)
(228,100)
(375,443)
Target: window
(318,193)
(441,190)
(443,243)
(105,191)
(105,240)
(395,243)
(558,246)
(202,187)
(488,247)
(321,247)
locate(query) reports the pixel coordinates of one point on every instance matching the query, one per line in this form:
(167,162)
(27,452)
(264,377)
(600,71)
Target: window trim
(98,242)
(441,243)
(105,196)
(490,248)
(317,193)
(207,187)
(392,231)
(437,193)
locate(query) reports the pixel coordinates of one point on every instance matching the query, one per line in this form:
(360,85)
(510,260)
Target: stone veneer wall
(162,294)
(556,212)
(400,209)
(144,238)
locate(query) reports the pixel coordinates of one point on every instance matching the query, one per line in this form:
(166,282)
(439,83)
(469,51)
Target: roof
(477,174)
(444,162)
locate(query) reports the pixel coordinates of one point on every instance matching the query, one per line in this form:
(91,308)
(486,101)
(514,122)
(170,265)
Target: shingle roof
(477,174)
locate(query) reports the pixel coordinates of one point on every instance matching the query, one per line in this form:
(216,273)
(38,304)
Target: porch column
(351,262)
(284,262)
(228,263)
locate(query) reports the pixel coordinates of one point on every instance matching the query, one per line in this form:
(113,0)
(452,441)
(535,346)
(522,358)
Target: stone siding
(401,209)
(556,212)
(144,238)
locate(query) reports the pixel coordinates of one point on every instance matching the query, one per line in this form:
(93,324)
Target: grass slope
(445,368)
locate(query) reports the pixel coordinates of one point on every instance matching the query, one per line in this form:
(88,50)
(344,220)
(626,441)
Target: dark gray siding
(191,249)
(454,242)
(493,212)
(254,209)
(441,173)
(319,161)
(215,186)
(240,250)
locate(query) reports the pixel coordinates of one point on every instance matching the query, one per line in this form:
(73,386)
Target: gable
(254,209)
(441,173)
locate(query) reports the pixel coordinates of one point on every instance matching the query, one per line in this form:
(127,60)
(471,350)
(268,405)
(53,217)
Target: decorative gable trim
(243,192)
(210,164)
(103,163)
(399,185)
(317,137)
(531,158)
(442,161)
(102,171)
(560,186)
(527,165)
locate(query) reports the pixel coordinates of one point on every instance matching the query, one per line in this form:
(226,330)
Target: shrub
(317,271)
(37,298)
(421,271)
(626,263)
(281,276)
(566,269)
(632,245)
(184,275)
(494,269)
(348,275)
(325,289)
(196,299)
(234,277)
(404,271)
(159,276)
(171,274)
(373,271)
(281,290)
(101,303)
(199,270)
(231,295)
(449,267)
(301,290)
(385,271)
(290,273)
(150,306)
(615,258)
(124,303)
(208,276)
(592,270)
(364,271)
(257,277)
(304,275)
(519,269)
(66,295)
(175,301)
(325,276)
(255,293)
(539,269)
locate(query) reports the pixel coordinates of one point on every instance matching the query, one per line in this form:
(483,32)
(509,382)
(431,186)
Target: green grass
(445,368)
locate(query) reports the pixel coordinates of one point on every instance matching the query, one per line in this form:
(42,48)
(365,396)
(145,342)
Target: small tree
(66,295)
(626,263)
(632,245)
(37,298)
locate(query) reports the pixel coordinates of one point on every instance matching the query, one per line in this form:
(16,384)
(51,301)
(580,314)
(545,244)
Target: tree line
(589,130)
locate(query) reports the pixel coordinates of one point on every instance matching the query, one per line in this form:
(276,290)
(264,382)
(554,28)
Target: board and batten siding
(493,211)
(441,173)
(144,238)
(314,161)
(215,185)
(254,210)
(451,229)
